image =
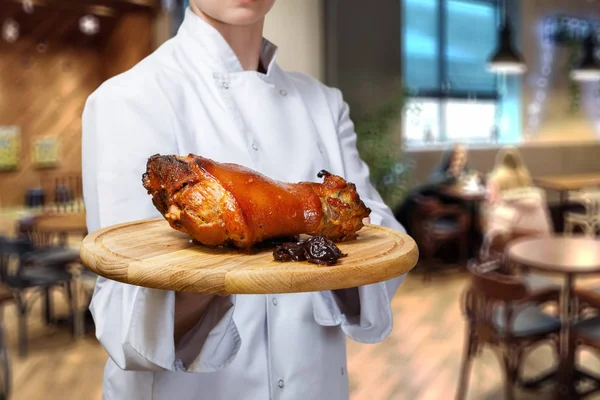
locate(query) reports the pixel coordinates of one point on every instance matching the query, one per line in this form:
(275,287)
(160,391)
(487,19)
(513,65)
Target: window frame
(442,94)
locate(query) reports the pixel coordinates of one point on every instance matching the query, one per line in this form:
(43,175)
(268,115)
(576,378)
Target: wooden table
(471,199)
(63,224)
(565,183)
(568,257)
(457,192)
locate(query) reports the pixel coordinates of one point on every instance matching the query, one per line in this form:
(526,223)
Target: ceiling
(50,22)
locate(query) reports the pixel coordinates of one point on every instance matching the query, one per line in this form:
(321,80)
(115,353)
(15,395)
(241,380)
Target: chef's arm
(364,313)
(143,329)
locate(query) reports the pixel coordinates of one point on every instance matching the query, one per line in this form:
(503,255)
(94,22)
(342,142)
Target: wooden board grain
(151,254)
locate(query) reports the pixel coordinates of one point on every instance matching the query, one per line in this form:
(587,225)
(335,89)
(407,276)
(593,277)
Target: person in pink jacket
(514,205)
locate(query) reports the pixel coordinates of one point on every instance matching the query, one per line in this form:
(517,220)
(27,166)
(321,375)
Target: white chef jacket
(192,96)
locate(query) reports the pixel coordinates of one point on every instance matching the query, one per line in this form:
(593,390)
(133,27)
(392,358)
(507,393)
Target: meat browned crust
(218,203)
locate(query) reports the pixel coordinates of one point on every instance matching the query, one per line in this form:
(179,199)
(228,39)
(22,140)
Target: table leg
(563,197)
(566,387)
(63,238)
(474,233)
(47,305)
(79,311)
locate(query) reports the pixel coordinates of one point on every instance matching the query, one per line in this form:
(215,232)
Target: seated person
(513,205)
(452,167)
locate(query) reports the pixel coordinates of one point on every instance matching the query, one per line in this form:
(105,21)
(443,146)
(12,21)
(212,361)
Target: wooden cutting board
(151,254)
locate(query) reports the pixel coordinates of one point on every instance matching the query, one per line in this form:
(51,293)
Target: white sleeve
(374,321)
(121,129)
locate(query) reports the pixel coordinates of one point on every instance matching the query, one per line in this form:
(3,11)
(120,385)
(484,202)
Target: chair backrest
(489,292)
(427,204)
(40,229)
(496,242)
(12,250)
(26,229)
(5,254)
(426,207)
(489,282)
(589,198)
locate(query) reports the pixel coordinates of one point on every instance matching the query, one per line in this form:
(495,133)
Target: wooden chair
(435,224)
(588,299)
(499,242)
(6,297)
(586,334)
(502,313)
(589,221)
(53,229)
(497,251)
(30,272)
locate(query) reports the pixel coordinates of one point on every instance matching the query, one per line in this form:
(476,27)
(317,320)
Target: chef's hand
(189,310)
(366,220)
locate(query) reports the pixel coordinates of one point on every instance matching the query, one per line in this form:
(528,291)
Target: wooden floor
(418,361)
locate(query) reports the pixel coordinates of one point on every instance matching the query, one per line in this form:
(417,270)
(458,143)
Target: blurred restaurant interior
(479,120)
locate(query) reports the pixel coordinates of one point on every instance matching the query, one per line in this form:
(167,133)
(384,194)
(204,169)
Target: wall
(296,27)
(163,27)
(44,98)
(364,52)
(44,92)
(556,123)
(131,40)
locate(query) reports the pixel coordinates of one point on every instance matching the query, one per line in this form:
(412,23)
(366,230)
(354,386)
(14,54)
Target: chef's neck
(244,40)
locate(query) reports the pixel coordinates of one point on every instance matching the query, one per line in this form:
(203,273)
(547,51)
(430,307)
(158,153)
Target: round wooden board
(150,253)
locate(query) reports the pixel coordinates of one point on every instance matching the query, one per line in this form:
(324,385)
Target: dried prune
(317,250)
(290,252)
(321,250)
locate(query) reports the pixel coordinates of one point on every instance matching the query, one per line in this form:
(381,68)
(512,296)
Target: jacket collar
(217,52)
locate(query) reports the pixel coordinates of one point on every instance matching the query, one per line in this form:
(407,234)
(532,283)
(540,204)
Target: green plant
(379,145)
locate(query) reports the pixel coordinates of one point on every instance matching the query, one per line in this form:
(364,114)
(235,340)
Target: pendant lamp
(588,68)
(506,58)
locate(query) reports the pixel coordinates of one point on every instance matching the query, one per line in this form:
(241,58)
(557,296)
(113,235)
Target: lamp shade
(506,58)
(588,68)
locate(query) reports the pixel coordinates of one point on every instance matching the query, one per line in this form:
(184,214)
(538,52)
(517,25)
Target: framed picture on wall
(45,152)
(10,147)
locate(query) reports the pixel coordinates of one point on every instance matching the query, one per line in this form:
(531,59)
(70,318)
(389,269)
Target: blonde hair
(510,172)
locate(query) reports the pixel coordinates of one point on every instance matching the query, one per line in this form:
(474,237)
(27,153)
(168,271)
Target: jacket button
(255,146)
(283,92)
(225,85)
(281,383)
(274,301)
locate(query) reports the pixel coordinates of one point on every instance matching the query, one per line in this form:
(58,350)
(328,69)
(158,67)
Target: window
(446,43)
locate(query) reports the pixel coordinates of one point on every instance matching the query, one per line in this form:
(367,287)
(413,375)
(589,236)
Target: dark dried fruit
(321,250)
(317,250)
(290,252)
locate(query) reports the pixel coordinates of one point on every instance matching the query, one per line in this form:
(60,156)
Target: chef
(215,90)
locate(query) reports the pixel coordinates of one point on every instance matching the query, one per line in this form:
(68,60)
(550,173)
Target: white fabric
(523,209)
(192,96)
